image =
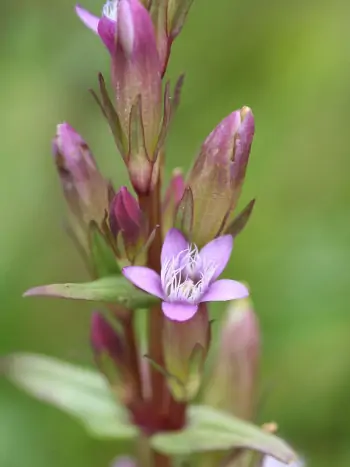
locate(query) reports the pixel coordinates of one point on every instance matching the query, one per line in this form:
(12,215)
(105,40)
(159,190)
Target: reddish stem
(150,204)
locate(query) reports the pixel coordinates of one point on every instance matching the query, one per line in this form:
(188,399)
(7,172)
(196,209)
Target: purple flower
(127,31)
(105,26)
(188,276)
(272,462)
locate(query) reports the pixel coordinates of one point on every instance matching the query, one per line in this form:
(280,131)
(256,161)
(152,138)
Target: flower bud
(125,214)
(172,198)
(125,217)
(105,339)
(218,174)
(85,190)
(110,355)
(135,68)
(186,346)
(233,382)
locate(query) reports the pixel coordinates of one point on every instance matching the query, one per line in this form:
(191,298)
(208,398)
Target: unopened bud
(85,190)
(110,354)
(217,176)
(125,217)
(105,339)
(233,382)
(186,346)
(136,69)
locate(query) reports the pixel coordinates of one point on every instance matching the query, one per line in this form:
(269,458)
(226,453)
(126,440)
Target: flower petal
(144,278)
(174,243)
(225,289)
(107,31)
(90,20)
(218,251)
(179,311)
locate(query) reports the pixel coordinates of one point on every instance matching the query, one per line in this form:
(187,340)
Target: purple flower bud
(218,174)
(85,189)
(136,70)
(125,214)
(186,346)
(126,29)
(234,379)
(125,217)
(105,339)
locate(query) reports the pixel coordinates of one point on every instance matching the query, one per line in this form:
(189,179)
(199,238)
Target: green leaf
(211,430)
(112,289)
(80,392)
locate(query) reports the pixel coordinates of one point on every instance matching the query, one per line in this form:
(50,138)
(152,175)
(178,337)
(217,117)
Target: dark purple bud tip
(125,214)
(104,338)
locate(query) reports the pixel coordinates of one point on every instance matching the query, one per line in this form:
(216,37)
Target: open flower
(105,26)
(188,276)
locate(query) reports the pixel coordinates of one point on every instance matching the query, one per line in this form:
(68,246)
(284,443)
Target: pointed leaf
(80,392)
(112,289)
(241,220)
(212,430)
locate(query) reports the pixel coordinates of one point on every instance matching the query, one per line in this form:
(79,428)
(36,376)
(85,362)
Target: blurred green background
(289,61)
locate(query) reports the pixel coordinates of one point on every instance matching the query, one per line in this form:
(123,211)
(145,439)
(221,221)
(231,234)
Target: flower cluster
(173,244)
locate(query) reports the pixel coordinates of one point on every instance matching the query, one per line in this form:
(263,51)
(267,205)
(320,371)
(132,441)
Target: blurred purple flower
(272,462)
(188,276)
(123,462)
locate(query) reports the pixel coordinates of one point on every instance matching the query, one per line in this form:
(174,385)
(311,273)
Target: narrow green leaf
(112,289)
(80,392)
(212,430)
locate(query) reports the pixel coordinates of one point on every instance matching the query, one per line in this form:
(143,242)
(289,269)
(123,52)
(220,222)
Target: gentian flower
(188,276)
(107,22)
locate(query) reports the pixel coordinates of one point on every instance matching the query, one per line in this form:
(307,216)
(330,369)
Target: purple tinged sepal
(172,198)
(185,347)
(217,176)
(168,17)
(233,383)
(85,189)
(176,16)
